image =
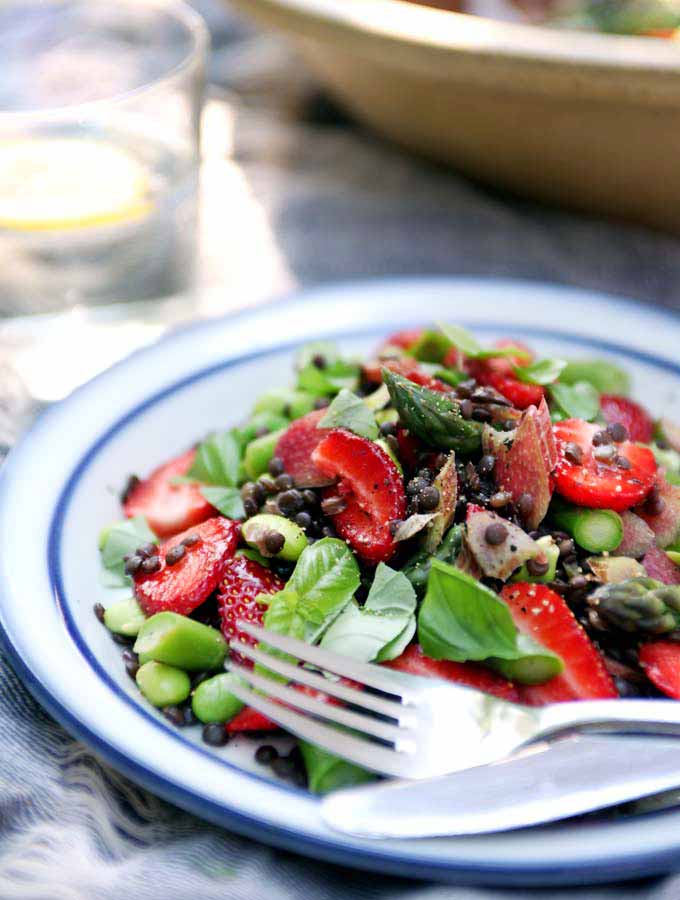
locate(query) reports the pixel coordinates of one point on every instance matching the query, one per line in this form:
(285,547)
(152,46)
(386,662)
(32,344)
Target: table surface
(294,194)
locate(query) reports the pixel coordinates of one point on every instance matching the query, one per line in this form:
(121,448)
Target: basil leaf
(606,377)
(468,344)
(330,380)
(217,460)
(576,401)
(365,633)
(391,592)
(543,371)
(362,634)
(326,772)
(396,647)
(325,578)
(225,499)
(451,376)
(461,619)
(431,346)
(119,540)
(350,412)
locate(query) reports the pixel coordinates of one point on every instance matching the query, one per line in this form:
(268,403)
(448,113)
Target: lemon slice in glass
(49,184)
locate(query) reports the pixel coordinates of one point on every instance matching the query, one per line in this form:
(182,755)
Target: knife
(542,783)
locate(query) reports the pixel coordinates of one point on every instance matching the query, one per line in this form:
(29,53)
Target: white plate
(60,485)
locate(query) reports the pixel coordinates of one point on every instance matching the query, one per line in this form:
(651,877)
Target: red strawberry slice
(169,508)
(658,565)
(403,339)
(181,587)
(371,487)
(498,373)
(524,467)
(407,368)
(473,675)
(661,663)
(295,449)
(631,415)
(243,581)
(664,516)
(250,719)
(543,615)
(598,484)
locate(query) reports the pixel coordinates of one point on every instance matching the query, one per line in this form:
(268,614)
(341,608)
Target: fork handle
(630,716)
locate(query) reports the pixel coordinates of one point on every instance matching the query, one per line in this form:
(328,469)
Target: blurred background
(298,187)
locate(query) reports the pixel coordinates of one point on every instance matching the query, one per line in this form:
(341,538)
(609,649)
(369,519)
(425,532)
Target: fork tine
(332,712)
(374,676)
(357,750)
(391,708)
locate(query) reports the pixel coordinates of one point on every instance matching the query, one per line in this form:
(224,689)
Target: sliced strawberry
(169,508)
(631,415)
(407,368)
(543,615)
(243,581)
(658,565)
(524,468)
(473,675)
(664,515)
(295,448)
(598,484)
(181,587)
(497,373)
(250,719)
(661,663)
(371,487)
(403,339)
(409,447)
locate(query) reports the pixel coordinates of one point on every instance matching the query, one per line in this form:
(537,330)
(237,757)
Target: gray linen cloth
(295,195)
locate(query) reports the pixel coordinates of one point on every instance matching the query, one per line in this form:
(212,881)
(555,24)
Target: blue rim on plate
(403,859)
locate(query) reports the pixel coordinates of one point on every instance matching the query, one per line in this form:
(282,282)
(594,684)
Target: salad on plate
(473,513)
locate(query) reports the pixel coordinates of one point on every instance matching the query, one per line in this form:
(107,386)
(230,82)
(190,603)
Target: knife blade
(539,784)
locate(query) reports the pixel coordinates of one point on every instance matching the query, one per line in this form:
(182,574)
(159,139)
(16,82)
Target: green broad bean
(213,700)
(163,685)
(256,530)
(124,617)
(259,452)
(178,641)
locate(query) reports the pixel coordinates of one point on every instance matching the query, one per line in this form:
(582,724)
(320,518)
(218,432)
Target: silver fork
(415,727)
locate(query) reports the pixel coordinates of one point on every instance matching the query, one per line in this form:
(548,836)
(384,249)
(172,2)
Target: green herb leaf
(396,647)
(225,499)
(350,412)
(576,401)
(451,376)
(328,381)
(391,593)
(461,619)
(468,344)
(326,772)
(217,460)
(431,347)
(119,540)
(543,371)
(325,578)
(365,633)
(605,376)
(432,416)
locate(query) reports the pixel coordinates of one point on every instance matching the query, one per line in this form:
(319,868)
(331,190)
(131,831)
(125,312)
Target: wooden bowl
(585,120)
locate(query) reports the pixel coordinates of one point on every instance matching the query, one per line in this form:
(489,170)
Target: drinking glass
(100,105)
